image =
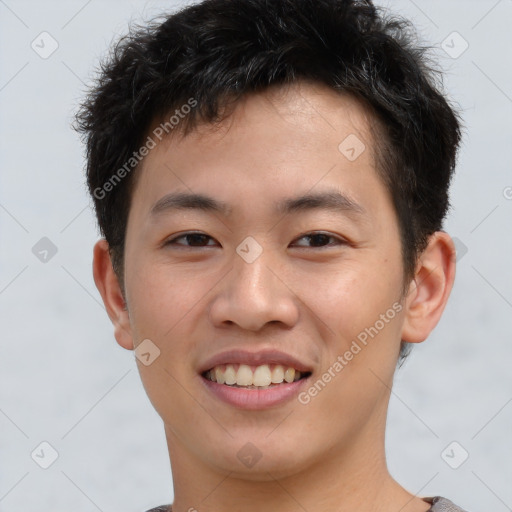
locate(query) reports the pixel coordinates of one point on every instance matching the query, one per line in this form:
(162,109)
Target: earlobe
(108,285)
(430,288)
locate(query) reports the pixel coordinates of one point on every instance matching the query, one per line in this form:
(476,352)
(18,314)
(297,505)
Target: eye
(194,239)
(321,239)
(197,239)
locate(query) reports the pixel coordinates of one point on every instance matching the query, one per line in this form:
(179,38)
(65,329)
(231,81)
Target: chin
(261,459)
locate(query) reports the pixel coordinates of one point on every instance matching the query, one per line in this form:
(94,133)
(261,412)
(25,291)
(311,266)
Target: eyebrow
(331,200)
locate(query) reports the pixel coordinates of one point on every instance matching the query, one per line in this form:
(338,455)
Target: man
(270,179)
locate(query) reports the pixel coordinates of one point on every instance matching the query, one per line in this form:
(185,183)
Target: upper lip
(254,359)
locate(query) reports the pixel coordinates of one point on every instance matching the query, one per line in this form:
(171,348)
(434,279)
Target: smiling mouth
(254,377)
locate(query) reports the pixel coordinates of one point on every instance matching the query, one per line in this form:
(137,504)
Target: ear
(430,288)
(108,285)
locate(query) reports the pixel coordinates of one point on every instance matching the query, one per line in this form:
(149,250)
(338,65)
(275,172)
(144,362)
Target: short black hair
(208,55)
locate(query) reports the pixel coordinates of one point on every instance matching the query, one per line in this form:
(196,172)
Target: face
(259,277)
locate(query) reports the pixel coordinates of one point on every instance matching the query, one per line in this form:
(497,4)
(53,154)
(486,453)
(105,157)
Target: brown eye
(193,239)
(321,240)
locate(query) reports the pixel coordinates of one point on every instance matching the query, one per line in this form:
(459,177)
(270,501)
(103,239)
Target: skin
(312,302)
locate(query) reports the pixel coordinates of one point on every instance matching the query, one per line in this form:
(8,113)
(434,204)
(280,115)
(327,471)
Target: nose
(254,294)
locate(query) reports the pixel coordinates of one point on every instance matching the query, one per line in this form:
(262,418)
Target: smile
(253,377)
(254,387)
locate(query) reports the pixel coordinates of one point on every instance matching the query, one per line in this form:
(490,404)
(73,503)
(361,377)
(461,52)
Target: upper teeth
(244,375)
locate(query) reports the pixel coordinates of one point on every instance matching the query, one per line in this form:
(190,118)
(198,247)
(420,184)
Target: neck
(354,477)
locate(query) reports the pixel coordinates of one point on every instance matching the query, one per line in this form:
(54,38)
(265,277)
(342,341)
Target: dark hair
(212,53)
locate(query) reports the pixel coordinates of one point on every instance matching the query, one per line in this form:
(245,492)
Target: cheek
(360,317)
(351,296)
(160,304)
(159,295)
(361,349)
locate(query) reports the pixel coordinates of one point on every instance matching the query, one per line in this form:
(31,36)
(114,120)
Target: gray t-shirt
(438,504)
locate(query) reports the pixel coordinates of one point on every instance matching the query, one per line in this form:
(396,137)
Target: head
(253,103)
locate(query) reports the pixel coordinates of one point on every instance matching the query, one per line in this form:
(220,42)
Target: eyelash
(309,235)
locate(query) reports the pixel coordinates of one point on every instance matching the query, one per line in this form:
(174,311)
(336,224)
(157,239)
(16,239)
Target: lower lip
(254,399)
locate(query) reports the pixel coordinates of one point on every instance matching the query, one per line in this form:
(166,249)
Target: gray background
(64,380)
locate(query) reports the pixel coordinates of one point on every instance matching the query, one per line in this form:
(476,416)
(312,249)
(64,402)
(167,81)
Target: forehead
(305,105)
(285,138)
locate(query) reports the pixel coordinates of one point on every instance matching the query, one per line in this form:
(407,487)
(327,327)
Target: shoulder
(440,504)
